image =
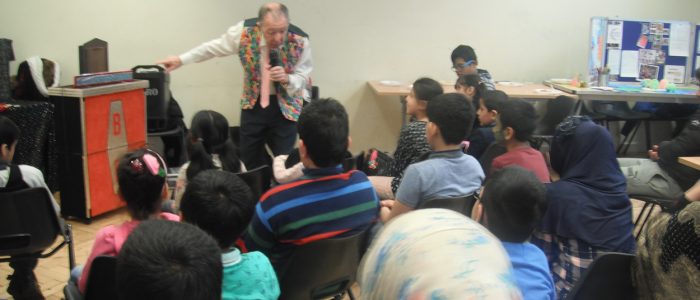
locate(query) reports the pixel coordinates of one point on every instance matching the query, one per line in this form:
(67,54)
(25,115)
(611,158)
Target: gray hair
(276,9)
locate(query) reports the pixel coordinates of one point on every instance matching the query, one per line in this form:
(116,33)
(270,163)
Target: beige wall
(353,41)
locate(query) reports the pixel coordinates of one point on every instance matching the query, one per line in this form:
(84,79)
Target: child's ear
(4,151)
(423,105)
(477,211)
(165,193)
(508,133)
(302,149)
(430,129)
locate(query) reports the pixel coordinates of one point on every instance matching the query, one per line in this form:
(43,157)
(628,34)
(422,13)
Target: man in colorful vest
(272,95)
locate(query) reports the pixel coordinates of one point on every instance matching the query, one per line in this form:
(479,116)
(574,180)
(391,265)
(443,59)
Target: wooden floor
(53,272)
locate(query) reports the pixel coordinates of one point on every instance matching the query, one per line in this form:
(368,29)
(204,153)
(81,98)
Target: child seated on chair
(326,202)
(222,204)
(464,61)
(488,107)
(141,177)
(23,283)
(435,253)
(448,172)
(470,85)
(210,147)
(511,205)
(412,143)
(169,260)
(588,211)
(514,126)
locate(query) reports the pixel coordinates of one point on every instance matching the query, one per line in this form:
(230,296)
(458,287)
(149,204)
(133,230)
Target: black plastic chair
(615,111)
(360,161)
(322,269)
(174,145)
(235,133)
(315,93)
(461,205)
(608,277)
(29,226)
(557,110)
(353,162)
(101,283)
(258,180)
(649,204)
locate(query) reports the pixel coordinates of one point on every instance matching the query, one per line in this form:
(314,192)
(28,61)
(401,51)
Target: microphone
(275,62)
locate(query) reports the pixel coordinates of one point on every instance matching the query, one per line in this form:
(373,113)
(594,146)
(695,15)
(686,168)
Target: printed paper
(679,39)
(629,63)
(675,74)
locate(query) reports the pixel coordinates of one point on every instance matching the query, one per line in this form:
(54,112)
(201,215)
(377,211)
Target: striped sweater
(325,203)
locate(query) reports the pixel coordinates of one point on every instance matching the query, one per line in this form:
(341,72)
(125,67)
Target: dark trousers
(23,283)
(261,126)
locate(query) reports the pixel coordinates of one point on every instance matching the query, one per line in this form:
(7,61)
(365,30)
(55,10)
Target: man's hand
(278,74)
(171,63)
(654,153)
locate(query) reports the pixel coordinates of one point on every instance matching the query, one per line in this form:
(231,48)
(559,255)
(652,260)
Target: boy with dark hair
(169,260)
(511,205)
(514,127)
(448,172)
(325,202)
(464,62)
(222,204)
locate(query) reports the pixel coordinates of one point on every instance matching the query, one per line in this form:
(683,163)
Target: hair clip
(153,165)
(136,165)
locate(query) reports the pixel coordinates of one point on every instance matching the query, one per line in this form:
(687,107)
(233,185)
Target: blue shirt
(531,271)
(445,174)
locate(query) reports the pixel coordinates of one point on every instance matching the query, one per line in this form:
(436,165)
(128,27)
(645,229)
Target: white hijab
(36,66)
(436,254)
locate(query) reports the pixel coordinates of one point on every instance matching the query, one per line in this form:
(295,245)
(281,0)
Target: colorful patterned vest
(290,53)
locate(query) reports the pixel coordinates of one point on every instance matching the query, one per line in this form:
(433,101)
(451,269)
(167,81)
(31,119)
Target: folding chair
(461,205)
(322,269)
(647,210)
(608,277)
(101,283)
(29,226)
(258,180)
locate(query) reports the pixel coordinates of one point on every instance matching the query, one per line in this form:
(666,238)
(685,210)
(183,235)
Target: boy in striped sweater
(325,202)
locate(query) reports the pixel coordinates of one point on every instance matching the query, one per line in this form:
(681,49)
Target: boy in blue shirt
(222,204)
(511,204)
(448,172)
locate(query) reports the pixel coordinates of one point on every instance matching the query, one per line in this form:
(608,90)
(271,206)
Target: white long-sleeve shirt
(229,43)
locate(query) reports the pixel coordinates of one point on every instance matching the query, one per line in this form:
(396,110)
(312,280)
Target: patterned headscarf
(436,254)
(667,265)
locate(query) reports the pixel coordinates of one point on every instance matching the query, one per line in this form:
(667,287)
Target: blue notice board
(650,39)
